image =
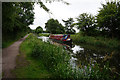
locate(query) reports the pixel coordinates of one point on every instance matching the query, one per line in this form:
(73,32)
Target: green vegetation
(44,34)
(69,26)
(109,19)
(8,40)
(16,17)
(8,43)
(39,30)
(38,53)
(106,23)
(15,20)
(27,67)
(86,24)
(53,26)
(30,68)
(44,60)
(96,41)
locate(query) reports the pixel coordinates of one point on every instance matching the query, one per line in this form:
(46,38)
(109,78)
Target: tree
(16,18)
(39,30)
(109,18)
(86,23)
(53,26)
(69,26)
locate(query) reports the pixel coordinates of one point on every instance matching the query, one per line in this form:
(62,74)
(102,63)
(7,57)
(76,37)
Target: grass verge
(9,39)
(96,41)
(27,67)
(30,68)
(7,43)
(44,34)
(44,60)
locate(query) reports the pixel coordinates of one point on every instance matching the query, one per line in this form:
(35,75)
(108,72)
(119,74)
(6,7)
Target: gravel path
(9,55)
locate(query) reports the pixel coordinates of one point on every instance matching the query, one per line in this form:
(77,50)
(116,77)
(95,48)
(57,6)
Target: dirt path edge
(9,56)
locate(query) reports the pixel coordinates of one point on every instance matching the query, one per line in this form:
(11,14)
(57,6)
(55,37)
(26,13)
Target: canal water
(82,55)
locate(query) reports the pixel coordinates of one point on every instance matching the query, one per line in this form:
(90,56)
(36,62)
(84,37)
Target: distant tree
(86,23)
(53,26)
(109,18)
(69,26)
(46,31)
(39,30)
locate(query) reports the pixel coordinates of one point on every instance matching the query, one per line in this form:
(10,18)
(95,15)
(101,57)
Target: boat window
(66,37)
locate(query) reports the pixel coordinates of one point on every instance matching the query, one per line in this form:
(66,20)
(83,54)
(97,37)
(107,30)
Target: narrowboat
(61,38)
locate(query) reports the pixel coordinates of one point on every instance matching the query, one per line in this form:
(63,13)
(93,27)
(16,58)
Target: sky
(62,11)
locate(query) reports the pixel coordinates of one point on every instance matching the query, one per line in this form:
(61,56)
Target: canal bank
(83,54)
(68,64)
(97,41)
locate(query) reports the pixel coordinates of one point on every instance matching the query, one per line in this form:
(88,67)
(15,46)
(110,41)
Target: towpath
(9,55)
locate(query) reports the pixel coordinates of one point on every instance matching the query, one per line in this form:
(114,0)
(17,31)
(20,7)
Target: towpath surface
(9,55)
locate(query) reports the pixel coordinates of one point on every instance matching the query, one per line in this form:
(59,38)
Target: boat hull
(62,42)
(63,39)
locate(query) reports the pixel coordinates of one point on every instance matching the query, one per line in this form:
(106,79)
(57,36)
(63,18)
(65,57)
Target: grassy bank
(8,39)
(44,34)
(44,60)
(30,68)
(8,43)
(96,41)
(27,66)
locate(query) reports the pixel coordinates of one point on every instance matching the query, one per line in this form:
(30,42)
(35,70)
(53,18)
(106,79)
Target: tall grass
(96,41)
(57,61)
(54,57)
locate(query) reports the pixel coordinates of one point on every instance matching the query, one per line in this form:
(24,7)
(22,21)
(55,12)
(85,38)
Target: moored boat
(61,38)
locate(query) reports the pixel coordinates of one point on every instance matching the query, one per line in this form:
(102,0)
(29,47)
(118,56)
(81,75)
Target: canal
(82,55)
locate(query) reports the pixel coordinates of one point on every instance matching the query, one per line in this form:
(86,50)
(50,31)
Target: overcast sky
(62,11)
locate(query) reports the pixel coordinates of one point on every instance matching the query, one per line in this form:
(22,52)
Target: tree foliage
(39,30)
(53,26)
(109,18)
(69,26)
(16,17)
(86,23)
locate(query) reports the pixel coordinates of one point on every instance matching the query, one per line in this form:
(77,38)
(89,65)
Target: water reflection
(77,48)
(73,62)
(45,39)
(92,55)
